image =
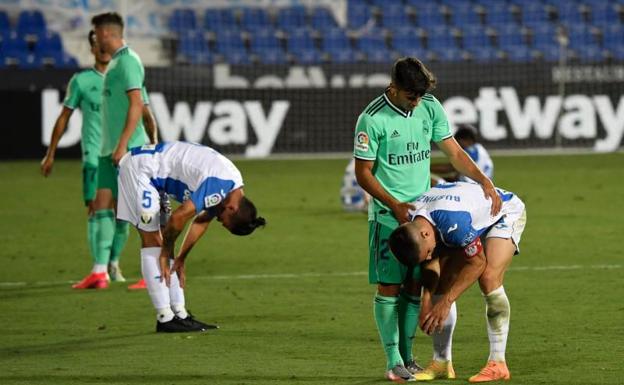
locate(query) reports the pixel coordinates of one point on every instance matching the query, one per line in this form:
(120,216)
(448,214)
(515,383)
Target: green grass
(313,323)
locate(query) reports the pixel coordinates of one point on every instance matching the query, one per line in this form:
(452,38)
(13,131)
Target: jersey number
(147,199)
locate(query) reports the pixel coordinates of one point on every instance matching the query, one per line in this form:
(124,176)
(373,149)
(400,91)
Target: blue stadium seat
(264,39)
(182,20)
(570,13)
(475,36)
(308,56)
(407,39)
(238,56)
(604,13)
(394,16)
(273,56)
(343,56)
(533,12)
(322,19)
(617,52)
(49,43)
(198,57)
(372,44)
(219,19)
(229,40)
(31,24)
(449,54)
(383,4)
(358,15)
(14,45)
(509,36)
(464,14)
(590,53)
(519,54)
(375,56)
(291,18)
(5,24)
(22,59)
(580,35)
(543,34)
(429,15)
(499,14)
(335,41)
(440,38)
(300,40)
(613,36)
(253,19)
(193,47)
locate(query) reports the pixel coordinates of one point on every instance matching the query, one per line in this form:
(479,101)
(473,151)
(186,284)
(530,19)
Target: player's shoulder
(429,100)
(376,105)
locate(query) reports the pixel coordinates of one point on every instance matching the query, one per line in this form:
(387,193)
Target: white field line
(322,275)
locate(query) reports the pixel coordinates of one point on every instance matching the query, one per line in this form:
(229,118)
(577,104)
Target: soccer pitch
(293,300)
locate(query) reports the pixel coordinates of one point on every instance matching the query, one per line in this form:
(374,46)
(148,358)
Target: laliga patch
(473,248)
(212,200)
(361,141)
(146,218)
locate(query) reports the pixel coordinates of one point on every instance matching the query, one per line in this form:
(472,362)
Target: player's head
(240,217)
(410,81)
(101,57)
(108,30)
(466,135)
(413,242)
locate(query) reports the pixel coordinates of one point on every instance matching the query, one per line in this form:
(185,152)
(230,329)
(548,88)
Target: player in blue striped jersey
(208,186)
(452,220)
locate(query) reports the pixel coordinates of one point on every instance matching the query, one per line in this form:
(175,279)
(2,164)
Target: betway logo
(225,122)
(574,116)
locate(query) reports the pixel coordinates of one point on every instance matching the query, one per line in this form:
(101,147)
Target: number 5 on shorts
(147,199)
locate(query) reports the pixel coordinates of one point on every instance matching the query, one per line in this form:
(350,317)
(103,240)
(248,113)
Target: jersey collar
(97,72)
(395,108)
(120,49)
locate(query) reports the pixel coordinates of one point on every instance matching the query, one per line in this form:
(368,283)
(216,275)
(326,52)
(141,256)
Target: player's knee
(150,239)
(490,280)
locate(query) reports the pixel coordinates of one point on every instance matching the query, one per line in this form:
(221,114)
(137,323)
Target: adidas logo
(395,134)
(94,88)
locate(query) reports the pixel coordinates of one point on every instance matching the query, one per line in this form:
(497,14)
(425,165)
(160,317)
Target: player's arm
(135,111)
(196,230)
(57,133)
(459,273)
(179,218)
(370,184)
(466,166)
(150,124)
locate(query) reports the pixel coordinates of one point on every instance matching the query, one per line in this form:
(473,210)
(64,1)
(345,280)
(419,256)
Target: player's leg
(388,274)
(441,365)
(122,231)
(408,312)
(89,188)
(499,253)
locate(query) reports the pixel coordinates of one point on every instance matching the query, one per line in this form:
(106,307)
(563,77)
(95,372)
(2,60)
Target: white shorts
(138,201)
(511,225)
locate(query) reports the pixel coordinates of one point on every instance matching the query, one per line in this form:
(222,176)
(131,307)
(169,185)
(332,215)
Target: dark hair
(246,219)
(107,18)
(404,246)
(411,75)
(466,132)
(91,38)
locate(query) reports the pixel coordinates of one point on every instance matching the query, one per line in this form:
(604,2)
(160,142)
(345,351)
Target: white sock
(157,290)
(443,341)
(497,313)
(115,264)
(99,268)
(176,296)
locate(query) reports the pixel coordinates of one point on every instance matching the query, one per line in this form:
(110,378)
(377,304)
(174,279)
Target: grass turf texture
(303,315)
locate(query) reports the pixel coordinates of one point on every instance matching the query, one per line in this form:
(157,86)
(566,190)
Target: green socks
(92,236)
(119,240)
(408,311)
(105,225)
(386,317)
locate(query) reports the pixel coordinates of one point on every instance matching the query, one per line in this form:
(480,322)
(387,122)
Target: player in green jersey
(392,153)
(111,235)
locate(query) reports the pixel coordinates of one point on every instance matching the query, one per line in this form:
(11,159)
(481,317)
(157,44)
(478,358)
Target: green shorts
(383,267)
(107,174)
(89,182)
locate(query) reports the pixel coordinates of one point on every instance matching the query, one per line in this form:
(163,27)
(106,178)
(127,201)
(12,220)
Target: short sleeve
(132,74)
(366,141)
(211,192)
(144,96)
(73,95)
(440,125)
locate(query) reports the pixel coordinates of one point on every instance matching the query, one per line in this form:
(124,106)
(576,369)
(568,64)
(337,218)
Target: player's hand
(425,308)
(119,152)
(165,273)
(492,195)
(46,165)
(401,212)
(434,319)
(178,268)
(91,208)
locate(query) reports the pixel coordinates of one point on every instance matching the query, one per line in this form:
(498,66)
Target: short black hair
(246,219)
(404,246)
(411,75)
(91,38)
(466,131)
(107,18)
